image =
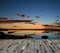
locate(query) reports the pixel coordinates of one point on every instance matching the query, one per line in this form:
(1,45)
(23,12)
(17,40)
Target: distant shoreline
(31,29)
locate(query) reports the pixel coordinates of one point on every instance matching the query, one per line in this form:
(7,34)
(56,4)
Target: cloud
(18,14)
(3,18)
(26,16)
(23,16)
(37,16)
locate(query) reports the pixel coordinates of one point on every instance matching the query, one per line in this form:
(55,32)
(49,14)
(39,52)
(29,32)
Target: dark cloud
(23,16)
(18,14)
(37,16)
(4,19)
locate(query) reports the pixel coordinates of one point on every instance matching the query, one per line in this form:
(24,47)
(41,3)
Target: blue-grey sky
(48,10)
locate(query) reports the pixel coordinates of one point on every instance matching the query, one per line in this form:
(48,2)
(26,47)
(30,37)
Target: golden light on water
(26,32)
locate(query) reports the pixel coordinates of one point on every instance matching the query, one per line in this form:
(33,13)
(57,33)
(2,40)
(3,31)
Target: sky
(48,10)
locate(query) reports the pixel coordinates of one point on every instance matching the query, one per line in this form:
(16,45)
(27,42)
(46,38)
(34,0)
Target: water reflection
(30,34)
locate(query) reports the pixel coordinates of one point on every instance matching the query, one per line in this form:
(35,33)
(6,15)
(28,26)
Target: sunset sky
(48,10)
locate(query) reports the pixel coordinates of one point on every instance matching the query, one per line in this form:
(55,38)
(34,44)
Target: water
(29,34)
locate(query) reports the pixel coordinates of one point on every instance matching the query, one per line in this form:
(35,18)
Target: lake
(29,34)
